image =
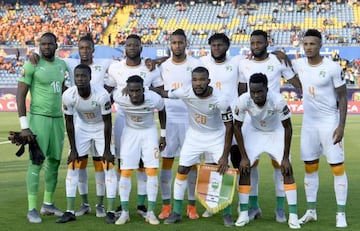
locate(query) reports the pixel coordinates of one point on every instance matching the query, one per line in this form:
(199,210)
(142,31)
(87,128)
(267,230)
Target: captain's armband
(227,116)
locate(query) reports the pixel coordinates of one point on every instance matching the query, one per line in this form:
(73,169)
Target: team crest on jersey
(322,74)
(270,112)
(211,106)
(97,68)
(270,68)
(142,74)
(146,109)
(228,68)
(94,103)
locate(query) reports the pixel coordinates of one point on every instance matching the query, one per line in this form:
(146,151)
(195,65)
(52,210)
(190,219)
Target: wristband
(23,122)
(162,132)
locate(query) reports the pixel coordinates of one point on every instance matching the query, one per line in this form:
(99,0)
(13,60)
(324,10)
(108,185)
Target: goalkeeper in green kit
(44,123)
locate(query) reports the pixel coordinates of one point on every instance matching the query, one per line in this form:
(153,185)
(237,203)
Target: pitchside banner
(214,191)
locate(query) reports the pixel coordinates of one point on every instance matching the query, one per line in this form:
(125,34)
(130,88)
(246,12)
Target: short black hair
(259,32)
(135,79)
(200,69)
(83,66)
(49,34)
(180,32)
(133,36)
(87,38)
(259,78)
(218,36)
(313,32)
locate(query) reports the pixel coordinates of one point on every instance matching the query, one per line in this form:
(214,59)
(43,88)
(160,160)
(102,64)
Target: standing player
(223,73)
(223,69)
(210,132)
(139,140)
(99,68)
(265,128)
(46,83)
(91,128)
(268,64)
(118,74)
(176,72)
(322,132)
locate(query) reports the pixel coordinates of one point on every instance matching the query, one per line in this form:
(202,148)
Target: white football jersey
(271,67)
(89,110)
(205,114)
(318,84)
(140,116)
(224,76)
(119,72)
(99,69)
(177,75)
(267,117)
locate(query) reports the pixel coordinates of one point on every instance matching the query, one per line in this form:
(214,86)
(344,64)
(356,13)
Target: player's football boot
(50,210)
(110,218)
(191,212)
(151,218)
(33,216)
(141,211)
(173,218)
(293,221)
(228,220)
(243,219)
(207,214)
(100,211)
(84,209)
(341,220)
(66,217)
(118,211)
(280,215)
(254,213)
(124,218)
(310,215)
(165,211)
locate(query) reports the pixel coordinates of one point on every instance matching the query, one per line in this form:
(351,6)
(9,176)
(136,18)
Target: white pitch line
(5,142)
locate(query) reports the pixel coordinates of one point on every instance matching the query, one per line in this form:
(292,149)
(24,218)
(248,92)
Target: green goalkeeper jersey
(45,82)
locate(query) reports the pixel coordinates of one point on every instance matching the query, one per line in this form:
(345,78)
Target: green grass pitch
(13,202)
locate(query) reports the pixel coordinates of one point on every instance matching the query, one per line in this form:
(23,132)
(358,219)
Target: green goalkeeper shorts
(49,133)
